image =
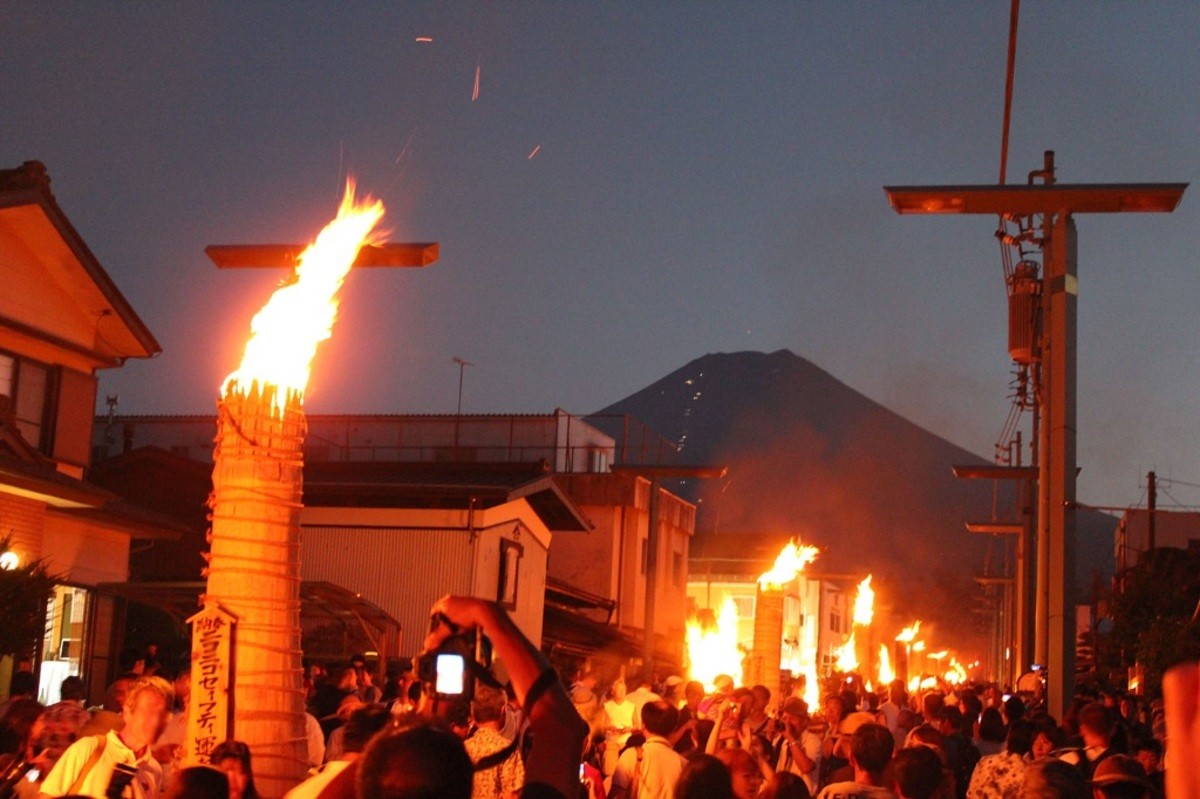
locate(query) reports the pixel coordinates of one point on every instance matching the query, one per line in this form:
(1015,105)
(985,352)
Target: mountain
(810,456)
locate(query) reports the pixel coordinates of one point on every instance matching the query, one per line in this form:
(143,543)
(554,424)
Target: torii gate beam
(1056,336)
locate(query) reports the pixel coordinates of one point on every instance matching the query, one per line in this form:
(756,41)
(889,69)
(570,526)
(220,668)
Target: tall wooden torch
(246,671)
(766,656)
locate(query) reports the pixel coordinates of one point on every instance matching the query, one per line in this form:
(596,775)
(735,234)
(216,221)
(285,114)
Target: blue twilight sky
(707,178)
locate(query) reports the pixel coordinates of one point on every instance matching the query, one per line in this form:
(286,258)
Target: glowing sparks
(789,563)
(907,635)
(956,674)
(300,314)
(475,92)
(886,673)
(714,650)
(535,152)
(424,40)
(864,603)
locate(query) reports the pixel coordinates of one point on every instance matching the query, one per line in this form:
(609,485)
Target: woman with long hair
(233,758)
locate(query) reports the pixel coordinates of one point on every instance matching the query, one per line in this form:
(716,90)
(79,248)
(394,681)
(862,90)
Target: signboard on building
(210,707)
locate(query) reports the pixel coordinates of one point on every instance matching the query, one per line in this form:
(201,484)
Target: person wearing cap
(798,747)
(1120,777)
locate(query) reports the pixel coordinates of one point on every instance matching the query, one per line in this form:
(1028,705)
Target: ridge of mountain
(810,456)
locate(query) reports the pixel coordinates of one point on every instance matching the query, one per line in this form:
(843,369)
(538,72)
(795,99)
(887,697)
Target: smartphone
(451,669)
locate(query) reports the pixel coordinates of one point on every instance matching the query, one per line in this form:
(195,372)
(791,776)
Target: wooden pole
(254,574)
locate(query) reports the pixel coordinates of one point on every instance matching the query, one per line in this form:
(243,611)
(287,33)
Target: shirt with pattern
(505,777)
(997,777)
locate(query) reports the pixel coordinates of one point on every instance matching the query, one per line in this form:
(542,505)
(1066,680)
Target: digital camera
(450,671)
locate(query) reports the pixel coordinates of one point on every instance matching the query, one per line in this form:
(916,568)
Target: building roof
(32,215)
(375,484)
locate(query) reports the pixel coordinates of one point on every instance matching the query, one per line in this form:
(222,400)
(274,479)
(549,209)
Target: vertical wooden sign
(210,707)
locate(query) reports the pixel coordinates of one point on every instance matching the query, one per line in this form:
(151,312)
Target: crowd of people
(577,735)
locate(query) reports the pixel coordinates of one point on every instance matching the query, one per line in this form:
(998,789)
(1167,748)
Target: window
(510,571)
(745,606)
(28,386)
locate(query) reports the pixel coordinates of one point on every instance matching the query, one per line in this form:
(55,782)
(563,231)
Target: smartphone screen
(449,674)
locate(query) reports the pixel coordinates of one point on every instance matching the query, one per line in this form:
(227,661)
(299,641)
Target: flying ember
(300,314)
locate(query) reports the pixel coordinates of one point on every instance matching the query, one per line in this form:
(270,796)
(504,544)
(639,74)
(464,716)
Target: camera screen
(449,674)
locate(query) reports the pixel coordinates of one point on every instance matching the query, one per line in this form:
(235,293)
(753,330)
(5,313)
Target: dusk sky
(636,185)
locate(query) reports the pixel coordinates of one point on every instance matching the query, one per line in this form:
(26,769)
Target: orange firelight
(789,563)
(714,650)
(300,314)
(864,603)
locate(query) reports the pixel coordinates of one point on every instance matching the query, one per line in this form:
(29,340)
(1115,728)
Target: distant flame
(886,673)
(864,603)
(847,659)
(909,633)
(956,674)
(918,646)
(300,314)
(790,562)
(714,651)
(938,655)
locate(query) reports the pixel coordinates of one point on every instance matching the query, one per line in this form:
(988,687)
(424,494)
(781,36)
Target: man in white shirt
(799,747)
(651,770)
(88,765)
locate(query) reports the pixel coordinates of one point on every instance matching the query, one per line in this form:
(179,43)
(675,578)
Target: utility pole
(1055,331)
(462,366)
(1151,507)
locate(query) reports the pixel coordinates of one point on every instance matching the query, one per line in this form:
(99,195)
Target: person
(832,755)
(360,728)
(786,786)
(1096,726)
(233,758)
(651,770)
(110,714)
(991,731)
(420,757)
(22,686)
(506,777)
(1120,777)
(917,773)
(961,753)
(704,777)
(1047,738)
(329,697)
(1053,779)
(798,747)
(871,748)
(692,730)
(746,772)
(928,737)
(198,782)
(639,696)
(756,721)
(1000,776)
(1148,751)
(889,712)
(591,772)
(617,725)
(88,764)
(23,761)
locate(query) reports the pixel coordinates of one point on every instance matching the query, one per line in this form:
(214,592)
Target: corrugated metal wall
(402,571)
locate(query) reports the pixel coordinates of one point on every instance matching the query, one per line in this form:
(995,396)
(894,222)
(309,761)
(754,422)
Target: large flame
(956,674)
(907,635)
(790,562)
(886,673)
(300,314)
(864,603)
(712,651)
(847,659)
